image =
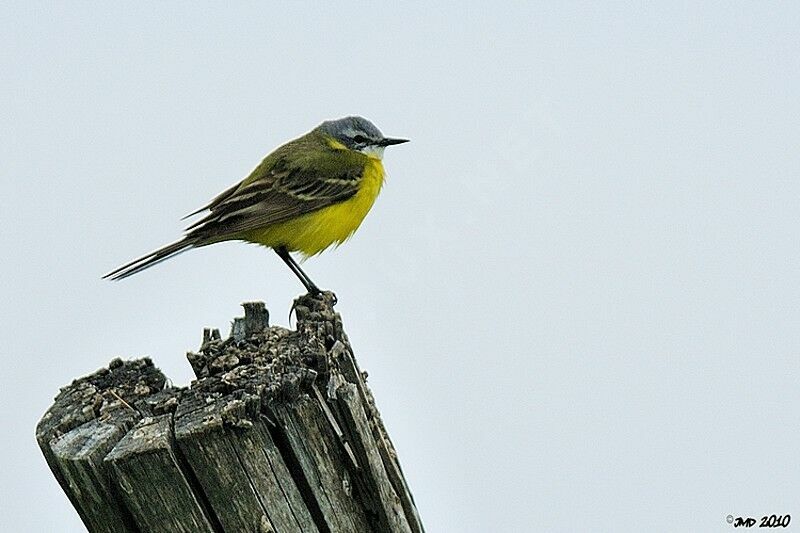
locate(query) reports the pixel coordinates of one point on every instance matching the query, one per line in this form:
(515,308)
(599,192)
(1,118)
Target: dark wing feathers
(281,193)
(216,201)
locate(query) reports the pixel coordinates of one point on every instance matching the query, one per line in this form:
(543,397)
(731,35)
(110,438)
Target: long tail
(153,258)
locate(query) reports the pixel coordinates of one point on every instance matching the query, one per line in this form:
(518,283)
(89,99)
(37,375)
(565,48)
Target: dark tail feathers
(153,258)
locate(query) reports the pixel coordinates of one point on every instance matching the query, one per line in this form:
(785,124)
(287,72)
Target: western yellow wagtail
(305,196)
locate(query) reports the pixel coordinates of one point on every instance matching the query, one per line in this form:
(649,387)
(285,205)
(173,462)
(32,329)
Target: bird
(305,196)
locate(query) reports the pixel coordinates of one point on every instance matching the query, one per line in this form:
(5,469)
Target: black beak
(386,141)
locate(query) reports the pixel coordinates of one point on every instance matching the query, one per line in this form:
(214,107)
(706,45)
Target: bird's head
(359,134)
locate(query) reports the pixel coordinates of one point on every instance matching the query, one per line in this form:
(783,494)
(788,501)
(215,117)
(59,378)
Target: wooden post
(279,433)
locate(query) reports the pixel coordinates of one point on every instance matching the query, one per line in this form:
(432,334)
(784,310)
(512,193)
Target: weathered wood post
(279,433)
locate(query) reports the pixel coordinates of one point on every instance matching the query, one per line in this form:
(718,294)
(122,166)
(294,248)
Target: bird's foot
(317,293)
(325,296)
(313,301)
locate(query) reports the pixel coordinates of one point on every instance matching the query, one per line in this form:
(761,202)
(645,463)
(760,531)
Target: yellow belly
(314,232)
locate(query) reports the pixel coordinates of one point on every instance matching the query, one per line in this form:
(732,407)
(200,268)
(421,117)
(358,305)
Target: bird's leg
(283,253)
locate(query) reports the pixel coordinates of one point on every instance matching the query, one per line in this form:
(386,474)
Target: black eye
(360,139)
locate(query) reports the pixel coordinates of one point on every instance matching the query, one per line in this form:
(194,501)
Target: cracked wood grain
(278,433)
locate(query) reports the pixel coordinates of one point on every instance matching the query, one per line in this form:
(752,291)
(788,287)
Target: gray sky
(577,296)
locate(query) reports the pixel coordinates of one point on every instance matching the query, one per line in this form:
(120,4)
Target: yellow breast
(314,232)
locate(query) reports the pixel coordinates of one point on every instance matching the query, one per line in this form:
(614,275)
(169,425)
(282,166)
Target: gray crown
(350,130)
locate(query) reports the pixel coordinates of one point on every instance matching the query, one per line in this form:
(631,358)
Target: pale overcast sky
(578,296)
